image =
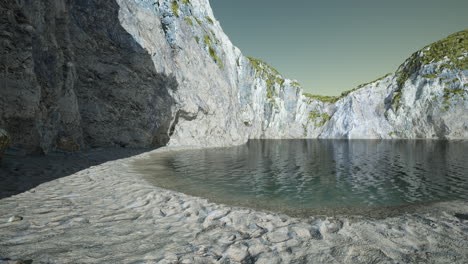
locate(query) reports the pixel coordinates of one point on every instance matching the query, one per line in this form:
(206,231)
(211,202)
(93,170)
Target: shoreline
(104,214)
(372,212)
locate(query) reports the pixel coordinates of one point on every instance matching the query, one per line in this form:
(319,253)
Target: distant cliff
(79,74)
(427,97)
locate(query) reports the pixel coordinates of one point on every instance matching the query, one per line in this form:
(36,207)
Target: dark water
(317,174)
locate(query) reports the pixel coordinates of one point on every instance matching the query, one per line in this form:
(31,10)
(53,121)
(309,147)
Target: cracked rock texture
(136,73)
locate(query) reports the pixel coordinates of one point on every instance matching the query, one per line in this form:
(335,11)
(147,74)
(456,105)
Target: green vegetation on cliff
(207,40)
(452,93)
(319,119)
(198,21)
(323,98)
(175,8)
(209,20)
(334,99)
(269,74)
(215,57)
(452,49)
(189,20)
(211,49)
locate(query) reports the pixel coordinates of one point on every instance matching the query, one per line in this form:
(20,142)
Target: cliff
(425,98)
(79,74)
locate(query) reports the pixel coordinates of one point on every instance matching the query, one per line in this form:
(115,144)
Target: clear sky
(331,46)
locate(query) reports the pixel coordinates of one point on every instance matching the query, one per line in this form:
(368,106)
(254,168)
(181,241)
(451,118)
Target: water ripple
(318,173)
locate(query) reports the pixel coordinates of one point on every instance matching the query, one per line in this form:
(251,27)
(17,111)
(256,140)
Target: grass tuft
(215,57)
(198,21)
(189,20)
(209,20)
(175,8)
(318,118)
(207,40)
(269,74)
(334,99)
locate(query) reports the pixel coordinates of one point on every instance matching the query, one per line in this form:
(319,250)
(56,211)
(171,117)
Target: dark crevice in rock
(461,216)
(174,123)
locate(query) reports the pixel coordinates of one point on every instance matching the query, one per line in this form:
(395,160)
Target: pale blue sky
(334,45)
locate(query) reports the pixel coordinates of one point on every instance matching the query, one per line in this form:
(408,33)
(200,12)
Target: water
(307,175)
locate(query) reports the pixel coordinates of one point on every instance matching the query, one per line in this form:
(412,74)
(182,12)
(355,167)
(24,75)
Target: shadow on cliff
(22,173)
(123,100)
(87,81)
(91,86)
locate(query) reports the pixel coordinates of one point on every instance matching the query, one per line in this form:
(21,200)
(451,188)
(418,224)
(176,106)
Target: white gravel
(109,214)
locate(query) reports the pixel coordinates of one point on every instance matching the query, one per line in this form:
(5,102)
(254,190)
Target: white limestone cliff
(156,72)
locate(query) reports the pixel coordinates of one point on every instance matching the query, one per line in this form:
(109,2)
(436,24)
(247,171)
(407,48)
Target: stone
(302,232)
(237,252)
(258,248)
(279,235)
(315,234)
(15,218)
(268,258)
(331,226)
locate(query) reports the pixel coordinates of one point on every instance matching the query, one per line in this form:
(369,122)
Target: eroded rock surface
(78,74)
(72,77)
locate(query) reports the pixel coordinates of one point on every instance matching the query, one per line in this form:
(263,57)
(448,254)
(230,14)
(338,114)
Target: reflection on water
(305,174)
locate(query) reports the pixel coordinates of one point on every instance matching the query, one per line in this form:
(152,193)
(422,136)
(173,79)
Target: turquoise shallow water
(317,174)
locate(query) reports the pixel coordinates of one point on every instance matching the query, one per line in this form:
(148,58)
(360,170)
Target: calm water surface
(317,174)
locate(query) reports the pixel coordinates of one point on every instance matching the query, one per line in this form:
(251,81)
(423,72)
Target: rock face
(4,142)
(78,74)
(71,74)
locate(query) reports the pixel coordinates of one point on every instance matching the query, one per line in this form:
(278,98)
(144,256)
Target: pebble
(258,248)
(237,252)
(279,235)
(302,232)
(331,226)
(15,218)
(202,250)
(268,258)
